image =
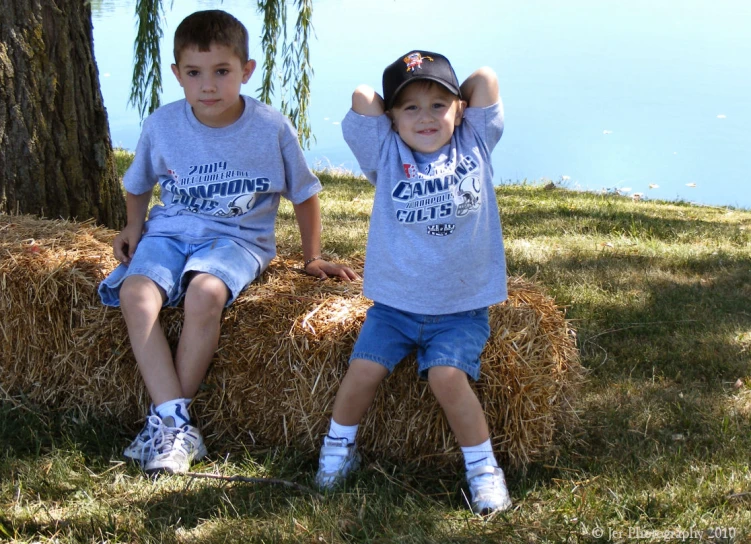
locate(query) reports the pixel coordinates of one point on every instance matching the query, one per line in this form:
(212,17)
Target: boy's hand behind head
(366,101)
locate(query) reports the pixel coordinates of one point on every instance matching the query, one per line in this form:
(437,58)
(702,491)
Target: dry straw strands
(284,349)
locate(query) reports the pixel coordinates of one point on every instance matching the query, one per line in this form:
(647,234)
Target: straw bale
(283,350)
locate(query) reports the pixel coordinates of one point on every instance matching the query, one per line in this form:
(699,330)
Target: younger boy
(435,258)
(222,160)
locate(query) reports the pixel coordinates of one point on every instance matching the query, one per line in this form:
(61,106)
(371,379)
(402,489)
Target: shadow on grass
(681,321)
(381,503)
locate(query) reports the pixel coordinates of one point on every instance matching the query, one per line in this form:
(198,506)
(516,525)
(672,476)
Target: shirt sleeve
(300,182)
(487,122)
(365,135)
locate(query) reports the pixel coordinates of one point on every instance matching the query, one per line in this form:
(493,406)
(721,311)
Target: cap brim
(451,88)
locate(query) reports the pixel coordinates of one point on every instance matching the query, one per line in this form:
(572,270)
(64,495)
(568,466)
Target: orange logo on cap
(414,60)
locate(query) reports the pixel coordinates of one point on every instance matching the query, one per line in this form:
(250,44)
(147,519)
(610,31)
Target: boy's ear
(248,70)
(176,71)
(459,112)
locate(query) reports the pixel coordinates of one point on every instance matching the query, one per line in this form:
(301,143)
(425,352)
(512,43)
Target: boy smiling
(434,259)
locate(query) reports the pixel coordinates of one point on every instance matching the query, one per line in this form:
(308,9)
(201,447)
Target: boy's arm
(308,214)
(480,89)
(366,101)
(124,244)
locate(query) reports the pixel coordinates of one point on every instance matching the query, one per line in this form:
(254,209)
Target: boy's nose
(208,84)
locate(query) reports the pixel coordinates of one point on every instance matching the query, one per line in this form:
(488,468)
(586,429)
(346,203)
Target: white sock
(343,431)
(479,456)
(177,409)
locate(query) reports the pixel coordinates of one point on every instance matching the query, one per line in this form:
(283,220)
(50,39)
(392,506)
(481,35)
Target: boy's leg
(385,338)
(460,404)
(205,299)
(141,301)
(339,454)
(141,289)
(357,391)
(181,443)
(467,421)
(450,355)
(216,273)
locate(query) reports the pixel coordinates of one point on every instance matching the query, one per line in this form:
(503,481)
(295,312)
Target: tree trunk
(56,156)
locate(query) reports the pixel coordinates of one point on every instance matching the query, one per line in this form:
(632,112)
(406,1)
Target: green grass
(123,158)
(659,295)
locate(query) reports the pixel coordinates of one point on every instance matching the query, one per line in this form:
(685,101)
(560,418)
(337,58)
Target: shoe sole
(488,511)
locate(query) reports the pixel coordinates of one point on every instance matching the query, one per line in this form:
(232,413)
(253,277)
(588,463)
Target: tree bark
(56,156)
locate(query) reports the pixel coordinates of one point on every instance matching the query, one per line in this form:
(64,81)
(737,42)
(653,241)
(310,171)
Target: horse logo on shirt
(467,195)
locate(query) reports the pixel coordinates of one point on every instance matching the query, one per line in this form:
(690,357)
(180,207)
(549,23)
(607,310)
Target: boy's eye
(411,107)
(192,73)
(222,71)
(438,105)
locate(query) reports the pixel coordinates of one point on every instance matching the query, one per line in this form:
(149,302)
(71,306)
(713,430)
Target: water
(644,96)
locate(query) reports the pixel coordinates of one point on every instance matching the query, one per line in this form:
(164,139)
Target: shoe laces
(177,440)
(486,483)
(332,457)
(148,436)
(166,438)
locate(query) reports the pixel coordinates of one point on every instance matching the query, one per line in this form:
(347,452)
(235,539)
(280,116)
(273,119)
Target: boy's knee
(206,294)
(446,381)
(367,372)
(138,289)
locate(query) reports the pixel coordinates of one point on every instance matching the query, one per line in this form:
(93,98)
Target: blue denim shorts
(389,335)
(168,262)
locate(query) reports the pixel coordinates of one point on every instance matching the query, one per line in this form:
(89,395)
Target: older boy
(222,160)
(435,258)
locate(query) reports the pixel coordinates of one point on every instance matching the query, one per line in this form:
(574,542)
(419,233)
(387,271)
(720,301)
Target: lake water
(644,96)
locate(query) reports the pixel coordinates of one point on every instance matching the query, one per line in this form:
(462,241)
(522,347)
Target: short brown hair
(214,26)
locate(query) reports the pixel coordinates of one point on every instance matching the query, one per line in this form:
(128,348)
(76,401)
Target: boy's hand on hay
(124,244)
(323,269)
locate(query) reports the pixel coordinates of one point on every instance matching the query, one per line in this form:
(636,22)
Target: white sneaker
(175,448)
(142,447)
(336,461)
(488,488)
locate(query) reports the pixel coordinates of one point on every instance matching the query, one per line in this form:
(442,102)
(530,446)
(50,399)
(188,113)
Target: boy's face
(211,81)
(425,116)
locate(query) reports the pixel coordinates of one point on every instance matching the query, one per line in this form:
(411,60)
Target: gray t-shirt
(435,244)
(220,182)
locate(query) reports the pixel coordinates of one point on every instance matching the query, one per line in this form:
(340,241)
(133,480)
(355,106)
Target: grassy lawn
(660,296)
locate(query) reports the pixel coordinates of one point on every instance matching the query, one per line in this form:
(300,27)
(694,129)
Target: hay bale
(283,350)
(48,273)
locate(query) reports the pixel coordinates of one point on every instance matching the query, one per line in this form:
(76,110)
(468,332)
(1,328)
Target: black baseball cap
(417,65)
